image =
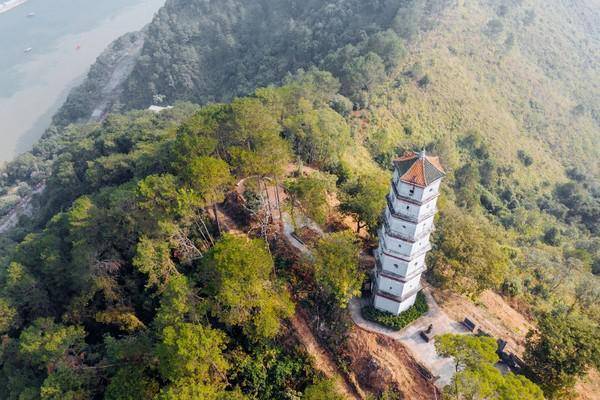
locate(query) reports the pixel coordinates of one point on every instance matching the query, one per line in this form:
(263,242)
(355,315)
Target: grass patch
(397,322)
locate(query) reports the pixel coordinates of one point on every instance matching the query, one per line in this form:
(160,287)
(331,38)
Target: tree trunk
(277,198)
(207,231)
(217,218)
(268,199)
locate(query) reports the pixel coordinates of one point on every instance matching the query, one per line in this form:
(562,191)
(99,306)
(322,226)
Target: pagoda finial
(423,153)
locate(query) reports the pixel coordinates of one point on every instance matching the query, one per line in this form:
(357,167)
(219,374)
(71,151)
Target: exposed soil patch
(379,363)
(322,358)
(588,388)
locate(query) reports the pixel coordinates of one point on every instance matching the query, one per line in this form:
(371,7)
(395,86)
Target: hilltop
(123,254)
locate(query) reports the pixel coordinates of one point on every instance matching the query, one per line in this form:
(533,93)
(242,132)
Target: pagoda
(404,234)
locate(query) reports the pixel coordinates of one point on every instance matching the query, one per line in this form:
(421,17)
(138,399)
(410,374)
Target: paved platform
(423,352)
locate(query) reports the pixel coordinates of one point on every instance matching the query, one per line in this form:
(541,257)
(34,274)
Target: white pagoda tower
(404,235)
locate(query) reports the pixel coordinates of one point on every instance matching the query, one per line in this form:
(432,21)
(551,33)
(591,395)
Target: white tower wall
(404,235)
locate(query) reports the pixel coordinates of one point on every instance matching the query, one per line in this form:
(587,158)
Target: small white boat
(31,14)
(10,4)
(28,50)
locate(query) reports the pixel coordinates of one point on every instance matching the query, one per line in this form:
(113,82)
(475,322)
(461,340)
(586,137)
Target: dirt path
(322,358)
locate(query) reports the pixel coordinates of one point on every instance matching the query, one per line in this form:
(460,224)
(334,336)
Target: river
(65,37)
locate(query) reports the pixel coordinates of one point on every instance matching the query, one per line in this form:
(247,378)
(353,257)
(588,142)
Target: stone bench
(470,325)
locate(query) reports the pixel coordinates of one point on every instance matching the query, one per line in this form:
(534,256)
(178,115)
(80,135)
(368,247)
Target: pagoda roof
(419,169)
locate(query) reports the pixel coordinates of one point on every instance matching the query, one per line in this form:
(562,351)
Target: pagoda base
(392,304)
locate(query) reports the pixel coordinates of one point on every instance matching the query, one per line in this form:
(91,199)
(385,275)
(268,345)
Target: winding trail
(11,220)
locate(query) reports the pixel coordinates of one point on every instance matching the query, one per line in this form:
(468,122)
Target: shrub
(397,322)
(552,236)
(7,203)
(424,81)
(525,158)
(511,287)
(596,267)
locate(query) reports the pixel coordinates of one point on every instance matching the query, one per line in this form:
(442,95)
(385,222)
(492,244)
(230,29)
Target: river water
(65,37)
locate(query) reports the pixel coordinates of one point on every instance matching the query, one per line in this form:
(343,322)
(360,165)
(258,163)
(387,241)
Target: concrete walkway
(423,352)
(288,229)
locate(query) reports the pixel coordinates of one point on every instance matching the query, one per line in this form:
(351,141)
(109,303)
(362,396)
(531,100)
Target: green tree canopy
(467,350)
(484,381)
(466,180)
(8,315)
(311,192)
(46,342)
(322,390)
(476,377)
(189,350)
(319,136)
(562,349)
(239,272)
(467,256)
(153,258)
(209,177)
(364,199)
(336,258)
(162,197)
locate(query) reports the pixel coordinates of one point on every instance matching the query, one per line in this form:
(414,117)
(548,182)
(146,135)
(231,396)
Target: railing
(395,276)
(411,199)
(391,252)
(412,239)
(383,293)
(407,217)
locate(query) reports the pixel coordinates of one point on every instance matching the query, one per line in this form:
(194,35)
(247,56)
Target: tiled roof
(419,169)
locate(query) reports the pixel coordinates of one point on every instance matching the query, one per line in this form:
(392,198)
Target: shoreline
(11,5)
(26,113)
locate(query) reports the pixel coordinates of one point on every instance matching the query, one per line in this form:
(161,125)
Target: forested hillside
(207,51)
(121,285)
(497,68)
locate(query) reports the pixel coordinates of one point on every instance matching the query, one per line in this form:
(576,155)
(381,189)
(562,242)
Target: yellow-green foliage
(517,88)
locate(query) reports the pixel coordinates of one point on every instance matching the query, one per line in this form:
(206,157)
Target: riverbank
(34,85)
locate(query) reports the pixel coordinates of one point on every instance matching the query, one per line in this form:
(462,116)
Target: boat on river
(10,4)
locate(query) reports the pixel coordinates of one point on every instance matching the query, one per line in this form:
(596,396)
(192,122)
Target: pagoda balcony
(408,238)
(390,296)
(388,250)
(407,217)
(410,199)
(396,277)
(407,229)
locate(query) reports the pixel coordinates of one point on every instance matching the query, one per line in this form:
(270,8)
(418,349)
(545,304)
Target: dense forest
(120,283)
